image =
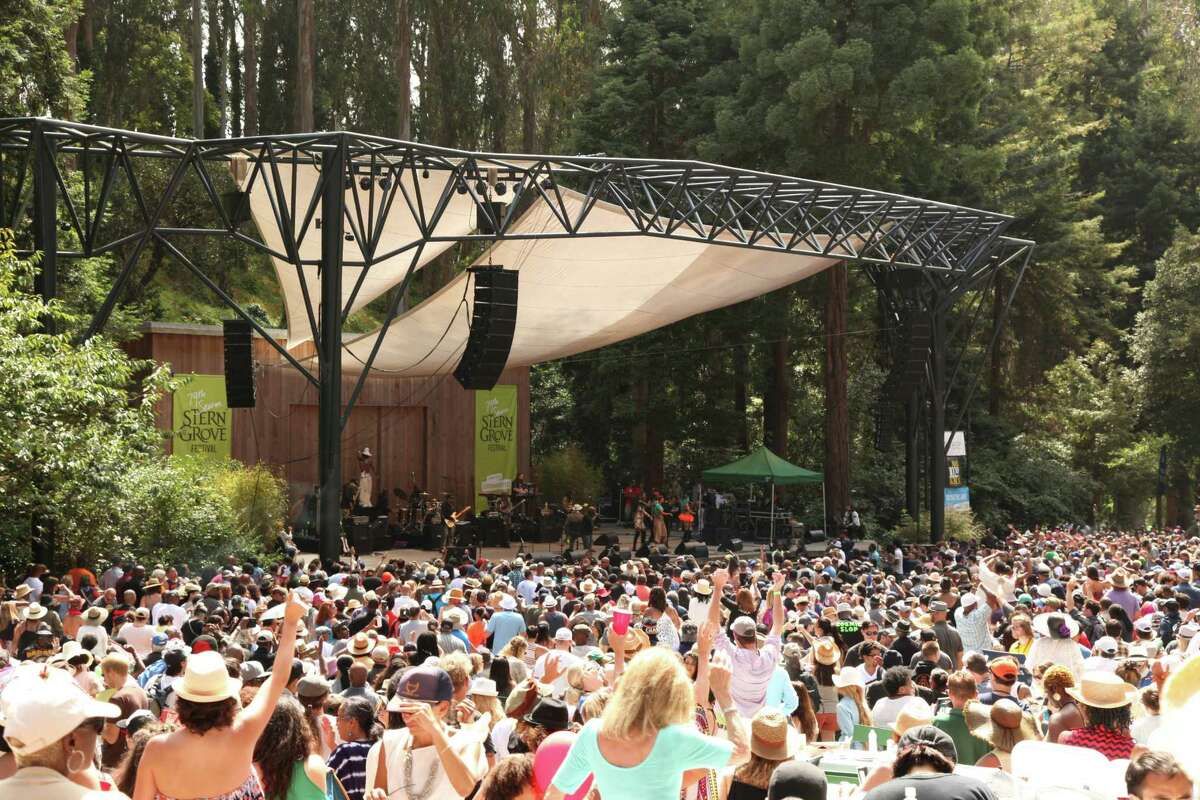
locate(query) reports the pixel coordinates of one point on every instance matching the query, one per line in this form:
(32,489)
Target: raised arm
(720,673)
(720,578)
(704,646)
(776,597)
(253,719)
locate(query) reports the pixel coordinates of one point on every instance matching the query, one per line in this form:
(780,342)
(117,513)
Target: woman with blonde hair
(851,708)
(645,742)
(1022,635)
(486,699)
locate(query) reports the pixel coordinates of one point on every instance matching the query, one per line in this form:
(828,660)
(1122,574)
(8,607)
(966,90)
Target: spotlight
(547,183)
(425,172)
(318,222)
(481,187)
(462,187)
(348,184)
(349,237)
(501,188)
(364,182)
(385,183)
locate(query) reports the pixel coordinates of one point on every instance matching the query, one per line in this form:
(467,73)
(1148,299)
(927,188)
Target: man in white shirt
(1103,657)
(898,557)
(168,606)
(138,634)
(527,588)
(111,576)
(897,682)
(93,625)
(559,660)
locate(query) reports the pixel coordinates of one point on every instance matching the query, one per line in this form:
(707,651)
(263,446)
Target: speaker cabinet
(493,320)
(239,364)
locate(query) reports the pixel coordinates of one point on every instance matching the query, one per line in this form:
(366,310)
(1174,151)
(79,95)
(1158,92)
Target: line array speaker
(239,364)
(493,320)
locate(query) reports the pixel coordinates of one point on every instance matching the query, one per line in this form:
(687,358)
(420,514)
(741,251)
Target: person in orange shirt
(477,630)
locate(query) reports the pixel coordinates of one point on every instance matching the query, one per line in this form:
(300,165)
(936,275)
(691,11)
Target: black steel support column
(937,426)
(329,425)
(912,464)
(45,218)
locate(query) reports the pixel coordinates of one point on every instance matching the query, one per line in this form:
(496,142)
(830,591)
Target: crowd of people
(921,669)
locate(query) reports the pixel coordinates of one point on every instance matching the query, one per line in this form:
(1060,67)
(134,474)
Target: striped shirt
(752,671)
(973,627)
(349,762)
(1110,744)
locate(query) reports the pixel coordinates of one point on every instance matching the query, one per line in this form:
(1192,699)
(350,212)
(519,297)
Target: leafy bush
(568,472)
(258,500)
(961,526)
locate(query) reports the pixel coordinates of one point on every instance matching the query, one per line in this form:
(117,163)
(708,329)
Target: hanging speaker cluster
(493,321)
(239,364)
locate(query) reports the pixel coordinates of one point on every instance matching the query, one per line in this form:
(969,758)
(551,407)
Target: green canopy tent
(764,466)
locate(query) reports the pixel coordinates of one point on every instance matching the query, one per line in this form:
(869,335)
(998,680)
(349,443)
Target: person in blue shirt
(505,624)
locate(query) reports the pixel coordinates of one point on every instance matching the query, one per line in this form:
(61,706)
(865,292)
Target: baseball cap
(1004,668)
(43,706)
(1144,624)
(1106,645)
(562,635)
(423,684)
(969,599)
(135,721)
(1184,573)
(936,738)
(743,626)
(508,603)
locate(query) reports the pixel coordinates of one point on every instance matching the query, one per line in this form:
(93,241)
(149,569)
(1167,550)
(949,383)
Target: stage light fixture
(364,182)
(547,183)
(481,187)
(385,183)
(348,184)
(349,236)
(462,187)
(425,173)
(501,188)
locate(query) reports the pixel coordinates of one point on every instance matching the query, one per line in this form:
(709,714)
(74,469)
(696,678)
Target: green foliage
(37,77)
(961,526)
(567,473)
(258,500)
(1165,344)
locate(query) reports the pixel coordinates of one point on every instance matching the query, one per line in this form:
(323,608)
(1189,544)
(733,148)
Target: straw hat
(95,615)
(35,611)
(361,644)
(1182,685)
(22,591)
(921,621)
(205,679)
(914,714)
(826,652)
(485,687)
(1119,581)
(1003,723)
(71,649)
(1103,690)
(635,642)
(702,587)
(769,735)
(849,676)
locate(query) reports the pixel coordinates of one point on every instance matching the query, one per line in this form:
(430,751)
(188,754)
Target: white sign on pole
(957,443)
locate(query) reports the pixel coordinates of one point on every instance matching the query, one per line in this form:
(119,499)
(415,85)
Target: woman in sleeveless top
(287,757)
(769,747)
(180,765)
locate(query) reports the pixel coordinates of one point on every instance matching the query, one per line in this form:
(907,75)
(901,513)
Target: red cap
(387,577)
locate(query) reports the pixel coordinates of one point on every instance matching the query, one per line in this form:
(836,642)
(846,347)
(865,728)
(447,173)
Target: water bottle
(872,741)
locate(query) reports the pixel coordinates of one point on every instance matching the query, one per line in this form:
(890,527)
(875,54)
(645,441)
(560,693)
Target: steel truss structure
(88,182)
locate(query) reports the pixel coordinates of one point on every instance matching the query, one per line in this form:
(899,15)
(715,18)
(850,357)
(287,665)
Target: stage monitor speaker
(816,536)
(734,545)
(574,556)
(239,364)
(544,558)
(493,320)
(360,537)
(697,550)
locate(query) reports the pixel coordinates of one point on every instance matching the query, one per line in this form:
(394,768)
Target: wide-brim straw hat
(205,679)
(914,714)
(826,652)
(361,644)
(849,676)
(1118,579)
(1103,690)
(95,615)
(771,737)
(1002,719)
(35,611)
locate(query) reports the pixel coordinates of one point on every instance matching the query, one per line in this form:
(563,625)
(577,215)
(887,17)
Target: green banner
(495,440)
(202,423)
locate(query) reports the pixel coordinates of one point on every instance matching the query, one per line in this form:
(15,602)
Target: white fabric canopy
(578,294)
(400,229)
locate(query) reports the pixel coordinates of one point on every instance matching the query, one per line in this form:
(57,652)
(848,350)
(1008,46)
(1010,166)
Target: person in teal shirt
(646,740)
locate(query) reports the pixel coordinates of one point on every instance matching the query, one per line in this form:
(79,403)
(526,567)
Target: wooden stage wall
(420,428)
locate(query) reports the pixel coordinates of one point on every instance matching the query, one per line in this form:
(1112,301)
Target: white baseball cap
(563,634)
(1184,573)
(508,603)
(43,706)
(969,599)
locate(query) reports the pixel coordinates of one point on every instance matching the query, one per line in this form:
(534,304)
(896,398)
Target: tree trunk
(776,403)
(235,72)
(526,77)
(89,38)
(836,373)
(250,80)
(304,66)
(403,70)
(996,367)
(741,400)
